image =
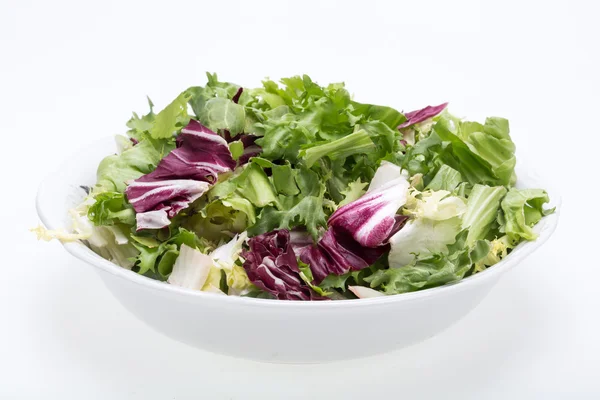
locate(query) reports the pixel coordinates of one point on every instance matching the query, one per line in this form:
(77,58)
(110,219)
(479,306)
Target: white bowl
(271,330)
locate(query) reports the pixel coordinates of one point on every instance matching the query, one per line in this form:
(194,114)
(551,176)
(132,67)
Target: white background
(72,71)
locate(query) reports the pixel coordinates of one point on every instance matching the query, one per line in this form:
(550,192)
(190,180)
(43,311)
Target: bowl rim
(84,253)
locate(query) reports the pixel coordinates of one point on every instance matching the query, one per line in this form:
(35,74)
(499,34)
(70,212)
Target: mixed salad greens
(298,192)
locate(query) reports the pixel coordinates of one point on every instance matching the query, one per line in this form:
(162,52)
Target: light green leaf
(255,186)
(522,209)
(446,178)
(497,250)
(353,192)
(482,208)
(437,220)
(357,142)
(146,241)
(168,258)
(115,170)
(140,126)
(156,258)
(238,282)
(283,137)
(110,208)
(387,115)
(283,176)
(222,218)
(172,118)
(243,205)
(421,158)
(422,237)
(493,143)
(332,283)
(386,139)
(483,154)
(146,260)
(307,276)
(221,113)
(430,271)
(237,149)
(459,155)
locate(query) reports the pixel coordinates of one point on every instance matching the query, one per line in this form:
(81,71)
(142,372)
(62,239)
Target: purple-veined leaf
(371,218)
(359,231)
(414,117)
(272,266)
(181,177)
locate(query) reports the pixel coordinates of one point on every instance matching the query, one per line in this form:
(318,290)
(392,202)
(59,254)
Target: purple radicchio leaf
(371,218)
(272,266)
(414,117)
(337,252)
(300,238)
(184,175)
(236,96)
(358,232)
(251,149)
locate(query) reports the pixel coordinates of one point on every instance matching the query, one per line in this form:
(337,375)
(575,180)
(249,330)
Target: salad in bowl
(295,191)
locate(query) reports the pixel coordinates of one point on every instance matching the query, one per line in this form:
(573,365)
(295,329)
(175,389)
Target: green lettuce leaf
(314,114)
(431,271)
(146,260)
(110,208)
(304,209)
(422,237)
(156,259)
(172,118)
(386,115)
(219,113)
(357,142)
(423,157)
(254,185)
(339,283)
(521,210)
(482,209)
(283,176)
(481,153)
(492,142)
(222,218)
(237,149)
(115,170)
(141,126)
(283,137)
(353,192)
(214,88)
(498,249)
(386,139)
(308,213)
(458,155)
(446,178)
(307,276)
(284,180)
